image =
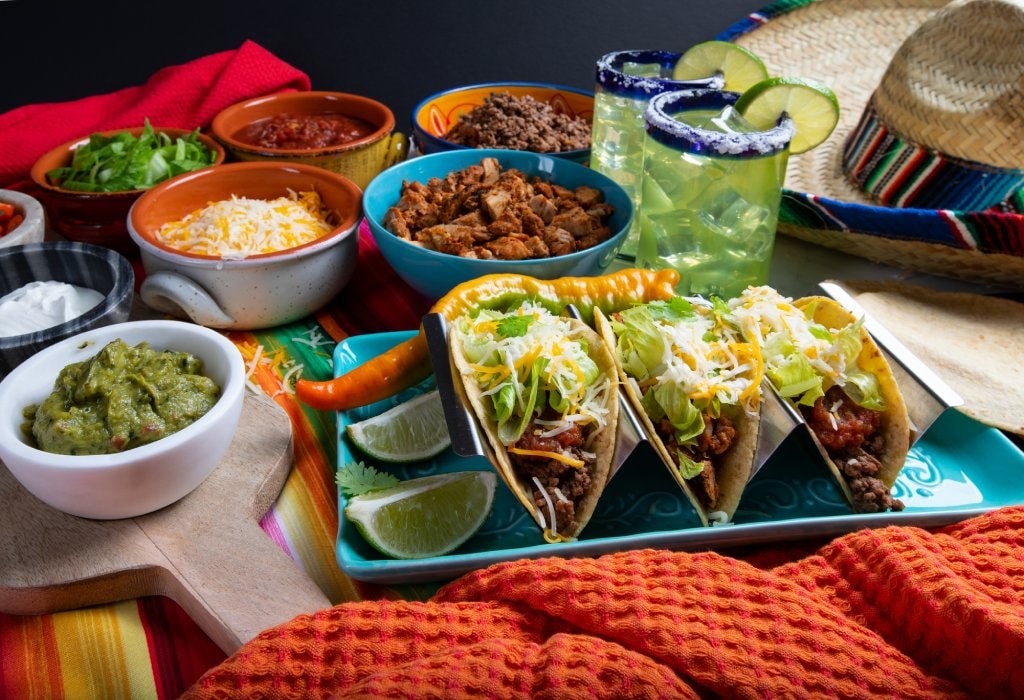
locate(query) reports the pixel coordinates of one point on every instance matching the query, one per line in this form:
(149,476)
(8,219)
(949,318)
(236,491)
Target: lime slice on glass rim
(409,432)
(424,517)
(813,107)
(738,65)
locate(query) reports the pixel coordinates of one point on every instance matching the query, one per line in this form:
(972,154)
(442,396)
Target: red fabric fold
(184,96)
(898,612)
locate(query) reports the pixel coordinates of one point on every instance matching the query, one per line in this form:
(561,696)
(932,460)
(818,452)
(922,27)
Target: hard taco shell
(733,470)
(895,424)
(602,442)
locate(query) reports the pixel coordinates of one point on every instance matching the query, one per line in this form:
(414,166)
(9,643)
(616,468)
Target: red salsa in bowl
(305,131)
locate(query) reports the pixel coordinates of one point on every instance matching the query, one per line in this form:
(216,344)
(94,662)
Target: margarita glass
(626,81)
(710,194)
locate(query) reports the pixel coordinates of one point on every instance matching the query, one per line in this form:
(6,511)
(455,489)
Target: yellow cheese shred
(238,227)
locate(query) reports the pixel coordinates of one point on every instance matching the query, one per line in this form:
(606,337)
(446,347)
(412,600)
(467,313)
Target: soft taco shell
(733,470)
(602,443)
(895,424)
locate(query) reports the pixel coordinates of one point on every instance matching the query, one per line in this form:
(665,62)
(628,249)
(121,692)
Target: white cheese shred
(551,508)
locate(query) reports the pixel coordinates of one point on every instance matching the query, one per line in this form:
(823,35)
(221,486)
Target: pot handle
(178,295)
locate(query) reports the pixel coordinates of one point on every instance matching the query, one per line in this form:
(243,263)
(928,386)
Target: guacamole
(123,397)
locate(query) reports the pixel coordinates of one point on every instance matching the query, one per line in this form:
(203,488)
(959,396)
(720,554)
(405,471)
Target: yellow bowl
(358,160)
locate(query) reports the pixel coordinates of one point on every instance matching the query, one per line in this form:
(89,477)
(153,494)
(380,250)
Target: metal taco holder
(778,418)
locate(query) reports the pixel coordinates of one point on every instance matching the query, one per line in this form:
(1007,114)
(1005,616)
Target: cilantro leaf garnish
(355,479)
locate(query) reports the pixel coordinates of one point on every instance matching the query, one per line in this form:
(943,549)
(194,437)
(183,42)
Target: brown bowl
(259,291)
(359,160)
(99,218)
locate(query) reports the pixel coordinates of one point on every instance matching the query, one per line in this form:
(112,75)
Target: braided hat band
(945,127)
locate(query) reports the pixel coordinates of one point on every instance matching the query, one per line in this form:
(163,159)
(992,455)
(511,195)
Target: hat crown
(956,85)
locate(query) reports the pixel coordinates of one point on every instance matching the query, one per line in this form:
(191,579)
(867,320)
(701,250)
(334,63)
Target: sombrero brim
(848,44)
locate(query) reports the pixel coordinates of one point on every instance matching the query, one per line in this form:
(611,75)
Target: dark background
(395,52)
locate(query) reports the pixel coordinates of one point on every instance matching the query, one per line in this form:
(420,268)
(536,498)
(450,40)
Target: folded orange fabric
(185,96)
(896,612)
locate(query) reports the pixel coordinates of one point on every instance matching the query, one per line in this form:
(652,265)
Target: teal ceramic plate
(959,468)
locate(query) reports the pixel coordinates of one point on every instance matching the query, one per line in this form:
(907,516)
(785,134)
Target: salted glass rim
(611,78)
(662,126)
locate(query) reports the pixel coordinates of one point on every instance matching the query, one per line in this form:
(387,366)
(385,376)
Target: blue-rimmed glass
(626,81)
(710,192)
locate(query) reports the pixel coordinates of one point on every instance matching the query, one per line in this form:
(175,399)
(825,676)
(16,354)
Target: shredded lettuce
(796,379)
(123,162)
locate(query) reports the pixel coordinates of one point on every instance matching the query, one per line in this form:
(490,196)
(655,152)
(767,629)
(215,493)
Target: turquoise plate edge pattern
(959,468)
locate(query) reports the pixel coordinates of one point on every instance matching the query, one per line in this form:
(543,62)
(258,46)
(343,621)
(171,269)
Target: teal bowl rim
(461,159)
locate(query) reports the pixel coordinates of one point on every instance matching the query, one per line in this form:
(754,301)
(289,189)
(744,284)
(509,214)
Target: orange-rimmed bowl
(435,115)
(358,160)
(259,291)
(99,218)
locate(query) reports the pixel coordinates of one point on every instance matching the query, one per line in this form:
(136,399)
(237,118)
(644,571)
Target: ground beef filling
(564,484)
(853,442)
(718,436)
(520,123)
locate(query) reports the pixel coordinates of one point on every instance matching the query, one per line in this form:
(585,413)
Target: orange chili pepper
(409,362)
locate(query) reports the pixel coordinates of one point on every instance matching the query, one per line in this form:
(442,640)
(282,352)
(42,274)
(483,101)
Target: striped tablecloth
(149,647)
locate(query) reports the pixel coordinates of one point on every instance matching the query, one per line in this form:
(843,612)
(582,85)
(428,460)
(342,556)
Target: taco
(696,385)
(819,357)
(544,391)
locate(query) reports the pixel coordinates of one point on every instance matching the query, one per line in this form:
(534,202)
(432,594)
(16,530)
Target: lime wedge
(813,107)
(738,65)
(424,517)
(409,432)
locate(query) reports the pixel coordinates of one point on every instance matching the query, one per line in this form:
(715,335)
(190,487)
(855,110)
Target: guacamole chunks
(123,397)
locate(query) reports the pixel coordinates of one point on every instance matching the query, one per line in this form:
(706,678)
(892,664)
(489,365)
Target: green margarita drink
(626,81)
(710,193)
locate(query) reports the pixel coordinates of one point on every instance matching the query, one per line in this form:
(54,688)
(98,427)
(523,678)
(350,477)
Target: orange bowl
(358,160)
(435,115)
(99,218)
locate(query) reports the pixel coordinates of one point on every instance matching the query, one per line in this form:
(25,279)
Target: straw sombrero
(930,92)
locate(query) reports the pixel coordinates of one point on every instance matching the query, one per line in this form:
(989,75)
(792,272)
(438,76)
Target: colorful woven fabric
(898,172)
(898,612)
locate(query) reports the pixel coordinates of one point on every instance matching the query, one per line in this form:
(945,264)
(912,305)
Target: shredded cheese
(238,227)
(563,458)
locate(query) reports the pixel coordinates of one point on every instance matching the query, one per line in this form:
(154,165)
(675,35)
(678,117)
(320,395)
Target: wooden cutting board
(206,552)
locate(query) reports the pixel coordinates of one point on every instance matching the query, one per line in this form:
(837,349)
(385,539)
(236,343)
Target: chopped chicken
(486,212)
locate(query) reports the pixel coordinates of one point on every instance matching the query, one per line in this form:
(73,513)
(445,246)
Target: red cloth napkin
(898,612)
(184,96)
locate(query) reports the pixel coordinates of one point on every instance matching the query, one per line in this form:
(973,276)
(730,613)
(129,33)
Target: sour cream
(39,305)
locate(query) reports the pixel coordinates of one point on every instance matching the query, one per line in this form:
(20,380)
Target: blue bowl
(434,274)
(436,114)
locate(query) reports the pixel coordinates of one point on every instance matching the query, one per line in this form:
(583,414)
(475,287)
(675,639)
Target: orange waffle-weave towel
(898,612)
(185,96)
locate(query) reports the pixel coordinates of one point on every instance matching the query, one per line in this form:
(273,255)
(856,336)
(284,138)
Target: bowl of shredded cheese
(247,245)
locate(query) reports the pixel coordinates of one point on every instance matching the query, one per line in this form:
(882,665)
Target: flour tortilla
(734,468)
(895,423)
(975,343)
(602,442)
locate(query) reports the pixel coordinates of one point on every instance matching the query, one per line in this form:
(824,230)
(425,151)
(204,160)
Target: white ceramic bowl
(33,228)
(262,290)
(139,480)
